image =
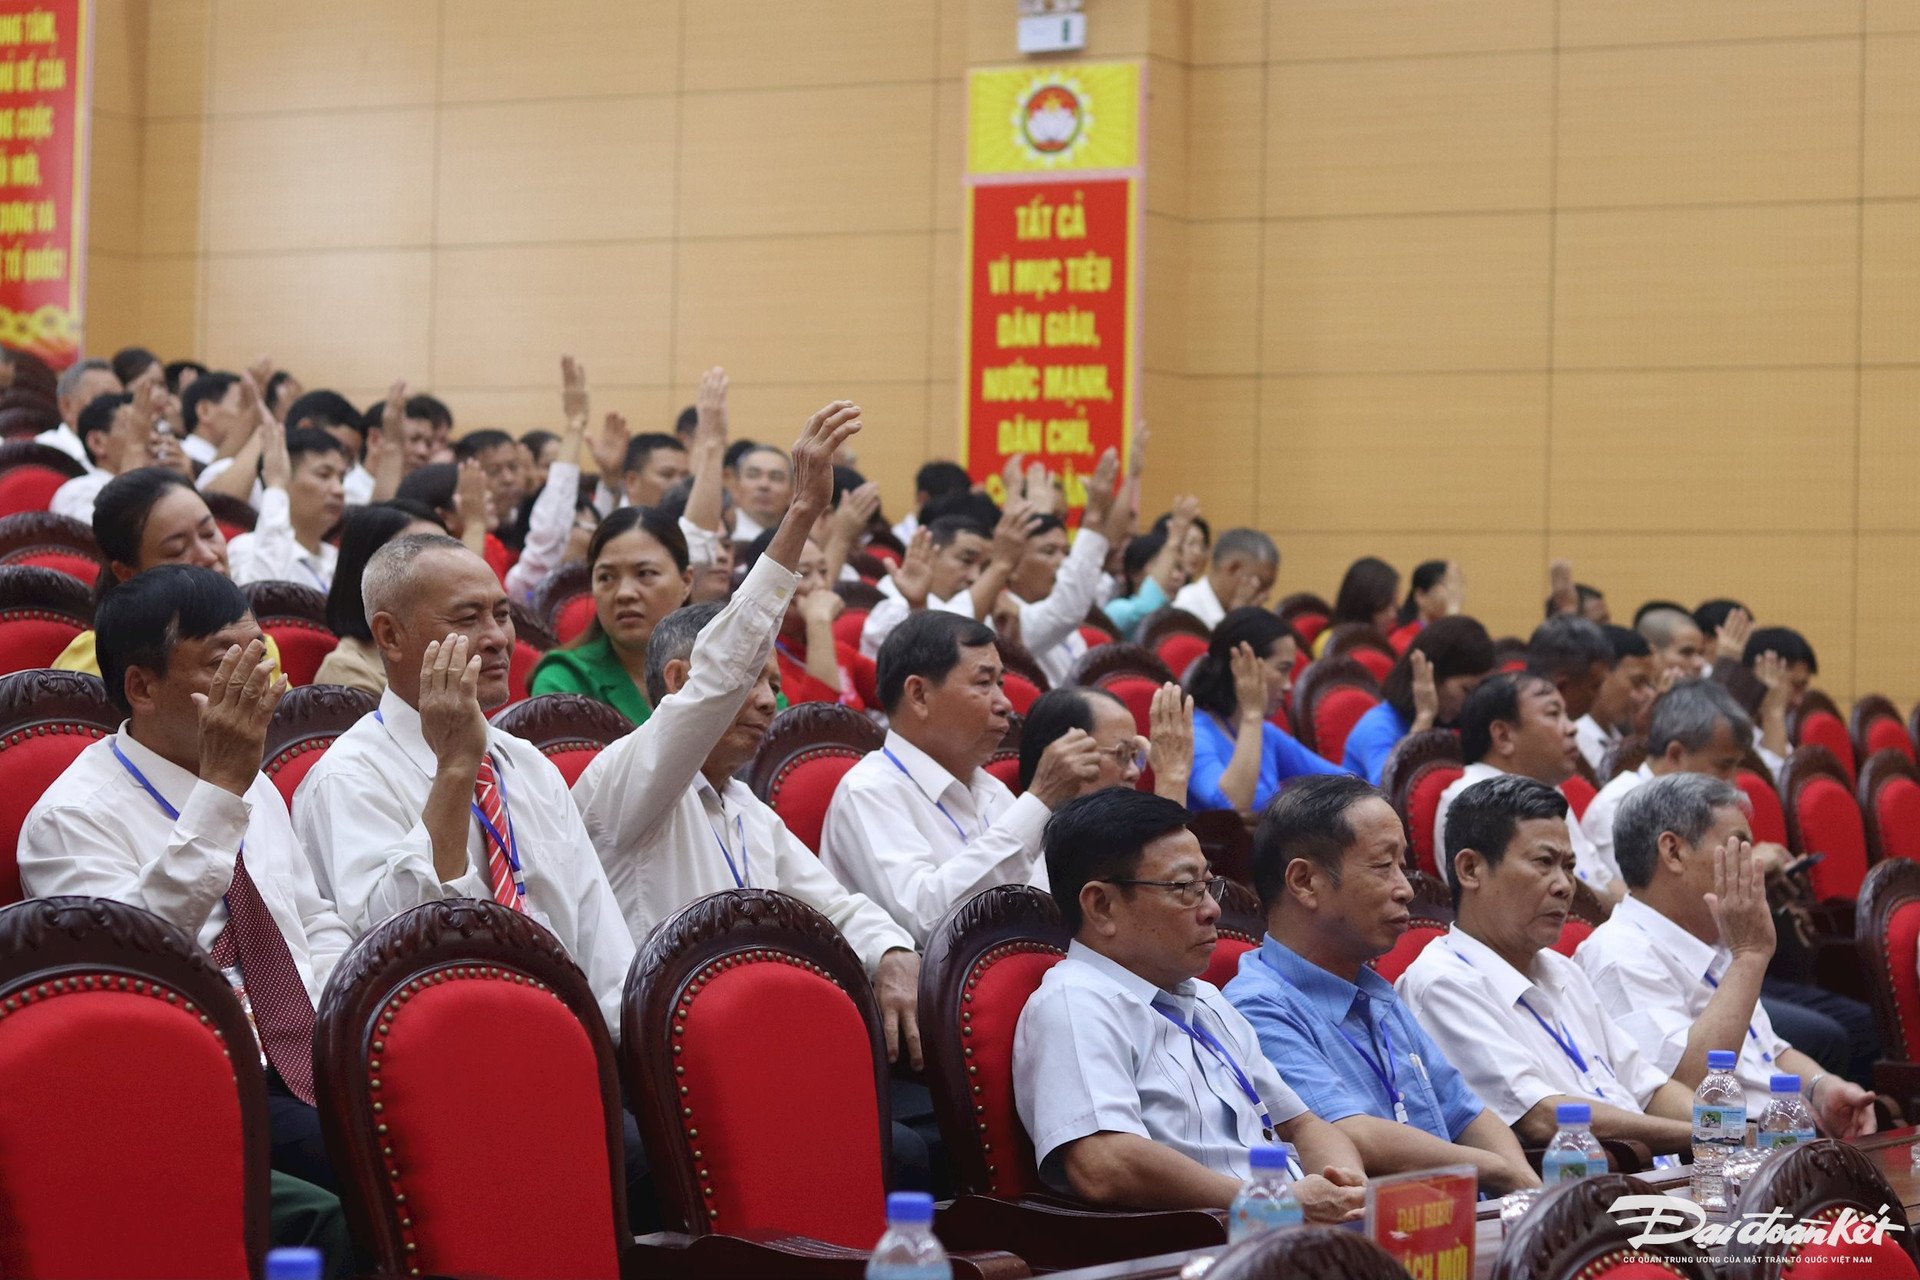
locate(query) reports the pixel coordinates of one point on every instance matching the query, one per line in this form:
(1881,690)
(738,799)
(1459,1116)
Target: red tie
(494,833)
(282,1009)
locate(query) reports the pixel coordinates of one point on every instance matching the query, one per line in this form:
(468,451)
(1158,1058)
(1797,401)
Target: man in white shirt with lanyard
(920,825)
(1140,1085)
(1518,1020)
(424,800)
(1679,964)
(1054,586)
(172,814)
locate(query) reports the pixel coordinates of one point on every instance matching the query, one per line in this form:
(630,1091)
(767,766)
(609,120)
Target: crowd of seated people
(715,580)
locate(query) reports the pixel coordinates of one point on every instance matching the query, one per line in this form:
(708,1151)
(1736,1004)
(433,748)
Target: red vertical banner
(45,56)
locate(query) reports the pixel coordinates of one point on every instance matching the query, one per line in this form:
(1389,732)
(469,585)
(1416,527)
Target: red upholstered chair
(1889,795)
(304,725)
(531,642)
(46,719)
(1816,722)
(427,1099)
(1163,625)
(1328,701)
(1432,912)
(1240,927)
(51,542)
(848,627)
(1307,613)
(1769,815)
(1887,943)
(1579,792)
(131,1079)
(1569,1234)
(1004,763)
(31,473)
(1359,641)
(296,617)
(980,967)
(1823,817)
(1421,767)
(1423,807)
(806,752)
(569,728)
(25,421)
(1584,915)
(31,373)
(1024,681)
(1815,1183)
(1874,725)
(234,515)
(1129,672)
(1323,1253)
(1227,843)
(41,611)
(564,601)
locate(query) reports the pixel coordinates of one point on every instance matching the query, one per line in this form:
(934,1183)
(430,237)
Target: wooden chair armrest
(666,1256)
(1052,1233)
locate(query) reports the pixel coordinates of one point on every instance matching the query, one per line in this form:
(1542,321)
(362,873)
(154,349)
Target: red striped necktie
(282,1009)
(496,833)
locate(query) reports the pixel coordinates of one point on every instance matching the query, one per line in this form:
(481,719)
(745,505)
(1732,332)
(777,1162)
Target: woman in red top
(814,667)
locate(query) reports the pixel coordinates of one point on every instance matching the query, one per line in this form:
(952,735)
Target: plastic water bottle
(1574,1151)
(1786,1122)
(294,1263)
(1719,1127)
(1266,1201)
(908,1251)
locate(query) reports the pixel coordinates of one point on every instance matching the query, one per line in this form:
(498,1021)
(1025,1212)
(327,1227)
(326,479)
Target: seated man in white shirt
(1517,724)
(1623,699)
(1245,563)
(1680,963)
(952,563)
(172,814)
(1141,1086)
(303,473)
(920,825)
(424,800)
(1571,652)
(1517,1019)
(333,413)
(1054,587)
(210,412)
(1697,727)
(81,383)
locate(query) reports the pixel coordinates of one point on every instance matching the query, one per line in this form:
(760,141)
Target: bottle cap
(1786,1084)
(1269,1156)
(915,1208)
(293,1263)
(1573,1113)
(1721,1059)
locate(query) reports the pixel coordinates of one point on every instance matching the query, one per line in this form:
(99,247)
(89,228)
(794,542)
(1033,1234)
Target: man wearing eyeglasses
(1140,1085)
(1328,861)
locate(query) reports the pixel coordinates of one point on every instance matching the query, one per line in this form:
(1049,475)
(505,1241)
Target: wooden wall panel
(1223,280)
(1619,22)
(1892,107)
(1226,110)
(320,180)
(377,306)
(170,186)
(1299,29)
(1888,616)
(502,50)
(1890,451)
(342,55)
(1890,282)
(747,44)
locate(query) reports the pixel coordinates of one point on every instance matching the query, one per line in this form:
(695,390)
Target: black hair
(325,409)
(279,379)
(1652,605)
(538,440)
(1485,817)
(432,409)
(174,368)
(130,362)
(98,415)
(1709,615)
(1455,646)
(1052,714)
(1567,645)
(139,624)
(1211,683)
(1427,575)
(1044,524)
(977,507)
(942,532)
(1785,641)
(1139,554)
(673,637)
(367,529)
(1369,586)
(302,441)
(1165,518)
(642,447)
(1101,837)
(749,555)
(1497,699)
(938,479)
(120,515)
(475,443)
(662,528)
(432,485)
(1626,643)
(845,480)
(1308,819)
(927,645)
(688,422)
(208,386)
(736,451)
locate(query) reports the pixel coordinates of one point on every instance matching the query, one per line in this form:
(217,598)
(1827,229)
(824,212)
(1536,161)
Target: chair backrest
(569,728)
(1816,722)
(1328,701)
(1324,1253)
(1769,815)
(131,1079)
(1886,927)
(41,611)
(1225,842)
(979,968)
(234,514)
(564,600)
(24,421)
(1431,913)
(1569,1233)
(295,615)
(1240,927)
(1304,604)
(531,642)
(1889,795)
(1410,753)
(304,725)
(1359,641)
(1572,934)
(1423,806)
(30,474)
(1025,681)
(1816,1183)
(848,627)
(46,719)
(807,750)
(426,1098)
(1823,817)
(1579,793)
(1129,672)
(748,1134)
(1874,724)
(51,542)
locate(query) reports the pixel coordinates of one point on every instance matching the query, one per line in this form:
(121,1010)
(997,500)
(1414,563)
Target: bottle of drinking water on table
(1786,1122)
(909,1250)
(1719,1127)
(1574,1151)
(1266,1201)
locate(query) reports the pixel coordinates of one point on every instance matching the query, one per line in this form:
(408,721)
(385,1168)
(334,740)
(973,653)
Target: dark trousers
(293,1128)
(1834,1030)
(918,1156)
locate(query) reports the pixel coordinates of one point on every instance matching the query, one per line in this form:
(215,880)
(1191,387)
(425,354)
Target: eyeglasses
(1186,892)
(1125,754)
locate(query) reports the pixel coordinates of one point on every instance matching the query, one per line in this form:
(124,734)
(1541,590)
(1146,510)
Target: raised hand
(1730,641)
(828,429)
(857,509)
(473,504)
(820,606)
(234,715)
(1010,474)
(1426,694)
(573,390)
(710,408)
(1739,900)
(1013,532)
(1560,588)
(1137,455)
(261,371)
(609,447)
(913,578)
(1039,490)
(1069,765)
(1170,741)
(451,722)
(1249,682)
(1103,512)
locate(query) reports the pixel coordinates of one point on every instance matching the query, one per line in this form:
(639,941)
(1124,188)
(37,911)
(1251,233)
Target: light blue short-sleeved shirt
(1372,739)
(1335,1038)
(1281,757)
(1092,1055)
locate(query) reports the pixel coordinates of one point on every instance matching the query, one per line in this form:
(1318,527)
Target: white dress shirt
(1652,977)
(358,486)
(1776,764)
(548,526)
(667,836)
(271,552)
(917,840)
(1493,1021)
(1597,823)
(1594,741)
(1050,628)
(198,448)
(1597,872)
(893,609)
(359,816)
(96,831)
(1198,599)
(66,440)
(745,527)
(219,467)
(1092,1054)
(76,497)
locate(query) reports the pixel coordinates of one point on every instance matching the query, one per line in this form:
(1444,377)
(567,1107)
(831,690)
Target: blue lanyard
(172,813)
(1563,1037)
(742,873)
(1388,1074)
(964,837)
(511,842)
(311,573)
(1206,1040)
(1751,1033)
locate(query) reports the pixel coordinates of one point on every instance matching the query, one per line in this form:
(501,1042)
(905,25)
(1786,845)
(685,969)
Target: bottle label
(1772,1138)
(1566,1166)
(1258,1216)
(1719,1122)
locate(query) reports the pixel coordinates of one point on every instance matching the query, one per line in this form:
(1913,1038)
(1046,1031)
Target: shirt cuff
(769,585)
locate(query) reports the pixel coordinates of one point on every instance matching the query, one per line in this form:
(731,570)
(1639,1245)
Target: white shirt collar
(1508,982)
(402,724)
(927,773)
(1126,979)
(1693,955)
(168,778)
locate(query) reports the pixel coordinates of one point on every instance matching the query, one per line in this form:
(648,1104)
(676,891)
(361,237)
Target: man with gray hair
(1697,728)
(80,385)
(1679,964)
(1245,563)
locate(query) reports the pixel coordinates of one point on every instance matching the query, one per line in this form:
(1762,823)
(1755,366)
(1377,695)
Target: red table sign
(1426,1220)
